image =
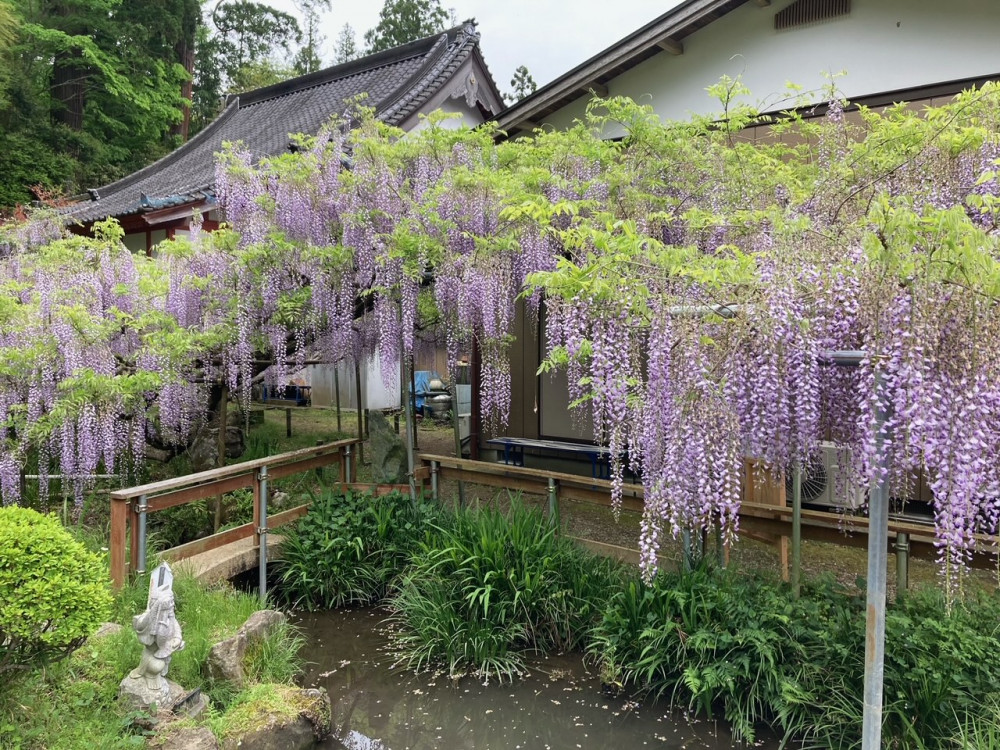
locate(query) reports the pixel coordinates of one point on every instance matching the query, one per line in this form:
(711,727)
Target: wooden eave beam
(599,89)
(671,45)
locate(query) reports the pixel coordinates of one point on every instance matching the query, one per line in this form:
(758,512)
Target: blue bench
(286,395)
(513,452)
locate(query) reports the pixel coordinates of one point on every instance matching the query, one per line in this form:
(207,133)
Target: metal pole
(458,438)
(347,464)
(336,392)
(361,431)
(262,530)
(902,562)
(410,417)
(141,510)
(434,480)
(554,504)
(688,554)
(878,555)
(796,529)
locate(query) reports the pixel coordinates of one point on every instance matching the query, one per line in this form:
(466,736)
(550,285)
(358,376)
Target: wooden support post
(119,534)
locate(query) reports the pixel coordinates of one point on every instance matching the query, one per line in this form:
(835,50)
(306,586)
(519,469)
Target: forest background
(93,90)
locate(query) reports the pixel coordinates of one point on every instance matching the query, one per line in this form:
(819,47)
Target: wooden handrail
(129,506)
(758,518)
(223,472)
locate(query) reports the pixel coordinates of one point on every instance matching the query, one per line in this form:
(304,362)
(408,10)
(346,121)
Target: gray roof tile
(397,82)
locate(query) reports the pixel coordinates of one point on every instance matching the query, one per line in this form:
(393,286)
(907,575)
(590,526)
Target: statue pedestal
(139,694)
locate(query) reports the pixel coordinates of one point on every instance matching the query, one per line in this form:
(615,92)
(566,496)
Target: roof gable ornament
(469,88)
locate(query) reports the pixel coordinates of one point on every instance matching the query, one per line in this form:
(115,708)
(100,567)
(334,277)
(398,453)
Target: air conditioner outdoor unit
(824,484)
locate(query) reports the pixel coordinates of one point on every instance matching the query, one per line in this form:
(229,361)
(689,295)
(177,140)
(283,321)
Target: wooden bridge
(764,514)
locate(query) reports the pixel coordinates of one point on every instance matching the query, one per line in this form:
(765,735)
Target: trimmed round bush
(53,592)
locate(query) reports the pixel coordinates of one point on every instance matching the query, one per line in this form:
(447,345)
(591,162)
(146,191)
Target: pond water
(559,705)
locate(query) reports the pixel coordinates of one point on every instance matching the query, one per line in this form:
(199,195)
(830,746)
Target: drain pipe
(262,530)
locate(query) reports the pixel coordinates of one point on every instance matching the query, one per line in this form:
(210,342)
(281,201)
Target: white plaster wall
(468,117)
(883,45)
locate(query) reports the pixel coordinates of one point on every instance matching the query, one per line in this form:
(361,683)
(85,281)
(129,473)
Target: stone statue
(160,635)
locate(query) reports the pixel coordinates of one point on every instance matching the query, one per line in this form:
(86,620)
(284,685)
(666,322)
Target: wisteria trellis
(875,232)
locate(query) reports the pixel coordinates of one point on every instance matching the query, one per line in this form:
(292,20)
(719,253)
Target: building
(445,71)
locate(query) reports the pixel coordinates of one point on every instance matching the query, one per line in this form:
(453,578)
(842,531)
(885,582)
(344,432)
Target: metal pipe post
(410,426)
(336,393)
(458,438)
(262,530)
(434,480)
(878,558)
(361,427)
(141,509)
(796,529)
(902,563)
(347,464)
(554,504)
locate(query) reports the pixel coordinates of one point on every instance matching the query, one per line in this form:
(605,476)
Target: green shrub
(350,547)
(712,640)
(707,640)
(489,587)
(53,593)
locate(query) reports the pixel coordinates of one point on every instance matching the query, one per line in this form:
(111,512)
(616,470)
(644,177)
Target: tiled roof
(397,82)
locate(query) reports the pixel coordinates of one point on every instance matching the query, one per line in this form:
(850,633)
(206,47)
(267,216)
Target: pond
(559,705)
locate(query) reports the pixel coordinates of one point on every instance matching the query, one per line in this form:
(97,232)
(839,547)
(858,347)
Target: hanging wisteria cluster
(692,283)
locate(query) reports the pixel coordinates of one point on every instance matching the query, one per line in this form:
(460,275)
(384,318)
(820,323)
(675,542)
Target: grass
(73,704)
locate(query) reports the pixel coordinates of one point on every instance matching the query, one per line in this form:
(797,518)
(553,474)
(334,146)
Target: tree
(694,282)
(91,88)
(308,58)
(402,21)
(345,48)
(248,35)
(522,84)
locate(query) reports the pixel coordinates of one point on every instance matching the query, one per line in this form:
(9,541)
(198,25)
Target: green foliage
(53,593)
(402,21)
(490,587)
(350,547)
(522,84)
(712,640)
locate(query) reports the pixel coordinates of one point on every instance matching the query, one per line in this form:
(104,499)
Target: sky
(548,36)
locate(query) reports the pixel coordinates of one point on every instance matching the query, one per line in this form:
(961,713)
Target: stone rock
(136,692)
(276,732)
(158,454)
(225,659)
(203,451)
(388,451)
(106,629)
(189,738)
